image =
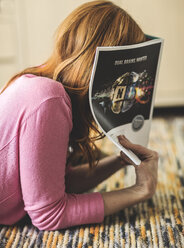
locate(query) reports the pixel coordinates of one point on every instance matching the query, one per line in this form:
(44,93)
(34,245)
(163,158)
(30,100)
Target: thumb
(125,160)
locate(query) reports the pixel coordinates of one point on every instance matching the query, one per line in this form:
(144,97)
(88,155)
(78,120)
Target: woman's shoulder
(27,95)
(37,89)
(42,86)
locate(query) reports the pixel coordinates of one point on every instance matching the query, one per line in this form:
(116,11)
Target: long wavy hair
(96,23)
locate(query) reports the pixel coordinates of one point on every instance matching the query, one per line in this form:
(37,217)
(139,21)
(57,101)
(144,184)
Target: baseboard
(168,111)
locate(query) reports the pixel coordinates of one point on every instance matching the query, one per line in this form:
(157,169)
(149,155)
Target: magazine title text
(130,61)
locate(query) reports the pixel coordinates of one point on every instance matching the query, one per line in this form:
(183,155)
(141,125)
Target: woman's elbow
(48,222)
(51,217)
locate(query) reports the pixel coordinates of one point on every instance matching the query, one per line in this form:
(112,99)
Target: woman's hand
(146,179)
(146,172)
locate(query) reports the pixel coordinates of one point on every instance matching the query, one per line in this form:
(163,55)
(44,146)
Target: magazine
(122,91)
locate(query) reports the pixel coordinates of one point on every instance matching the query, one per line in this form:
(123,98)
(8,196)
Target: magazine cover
(122,91)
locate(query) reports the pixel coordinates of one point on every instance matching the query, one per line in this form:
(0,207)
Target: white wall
(42,19)
(37,20)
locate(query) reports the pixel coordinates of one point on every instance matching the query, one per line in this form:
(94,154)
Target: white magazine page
(122,91)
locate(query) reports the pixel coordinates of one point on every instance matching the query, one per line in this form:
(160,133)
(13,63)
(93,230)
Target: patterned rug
(158,222)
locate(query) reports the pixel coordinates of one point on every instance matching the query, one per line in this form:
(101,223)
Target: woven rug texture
(157,222)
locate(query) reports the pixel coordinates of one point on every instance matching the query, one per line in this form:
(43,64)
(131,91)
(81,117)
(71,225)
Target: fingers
(125,160)
(137,149)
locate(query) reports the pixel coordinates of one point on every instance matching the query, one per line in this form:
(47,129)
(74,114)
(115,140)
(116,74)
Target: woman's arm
(82,178)
(43,144)
(114,201)
(43,148)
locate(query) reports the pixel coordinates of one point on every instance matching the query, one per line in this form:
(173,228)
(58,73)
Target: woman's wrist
(114,162)
(141,192)
(115,201)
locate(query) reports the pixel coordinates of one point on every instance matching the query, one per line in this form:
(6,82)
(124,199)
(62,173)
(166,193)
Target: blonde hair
(96,23)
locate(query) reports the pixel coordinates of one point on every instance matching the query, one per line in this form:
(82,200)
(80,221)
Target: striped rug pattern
(157,222)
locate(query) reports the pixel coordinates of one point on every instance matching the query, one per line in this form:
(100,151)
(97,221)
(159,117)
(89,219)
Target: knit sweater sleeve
(43,143)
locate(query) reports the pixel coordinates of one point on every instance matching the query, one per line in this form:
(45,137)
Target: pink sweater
(35,123)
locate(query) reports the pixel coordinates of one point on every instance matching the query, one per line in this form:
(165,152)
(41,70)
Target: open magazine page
(122,91)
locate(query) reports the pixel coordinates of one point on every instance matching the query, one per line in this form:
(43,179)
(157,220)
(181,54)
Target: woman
(46,124)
